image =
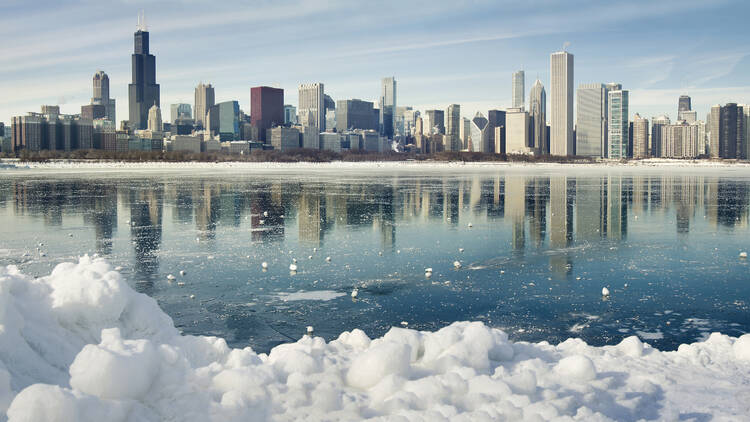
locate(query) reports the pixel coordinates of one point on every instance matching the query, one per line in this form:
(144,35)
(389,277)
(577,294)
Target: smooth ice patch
(323,295)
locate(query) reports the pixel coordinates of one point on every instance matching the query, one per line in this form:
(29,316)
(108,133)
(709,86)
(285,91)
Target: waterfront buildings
(517,132)
(154,119)
(561,104)
(290,114)
(728,134)
(452,123)
(180,111)
(480,137)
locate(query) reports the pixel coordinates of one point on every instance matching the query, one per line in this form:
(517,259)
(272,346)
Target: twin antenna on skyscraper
(142,22)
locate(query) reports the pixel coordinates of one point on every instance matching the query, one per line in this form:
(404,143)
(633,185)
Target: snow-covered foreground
(81,345)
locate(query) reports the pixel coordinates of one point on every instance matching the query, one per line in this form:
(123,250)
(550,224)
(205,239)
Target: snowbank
(80,344)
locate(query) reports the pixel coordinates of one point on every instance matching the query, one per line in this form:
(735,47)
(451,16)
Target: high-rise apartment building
(311,107)
(452,129)
(656,146)
(143,91)
(266,109)
(101,95)
(205,98)
(617,124)
(538,117)
(728,132)
(591,120)
(465,133)
(224,119)
(561,103)
(387,105)
(640,136)
(519,89)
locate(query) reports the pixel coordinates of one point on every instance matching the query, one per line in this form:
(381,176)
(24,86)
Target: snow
(80,344)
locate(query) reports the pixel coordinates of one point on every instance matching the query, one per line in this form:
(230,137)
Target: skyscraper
(657,123)
(519,87)
(683,104)
(387,104)
(143,92)
(495,119)
(452,129)
(728,132)
(640,136)
(435,121)
(355,114)
(266,108)
(561,99)
(204,100)
(617,124)
(538,116)
(312,106)
(290,114)
(101,95)
(480,138)
(591,120)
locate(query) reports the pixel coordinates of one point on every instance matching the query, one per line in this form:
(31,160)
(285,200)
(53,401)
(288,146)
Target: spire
(142,22)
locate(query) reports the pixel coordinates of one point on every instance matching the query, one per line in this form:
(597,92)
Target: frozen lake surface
(535,249)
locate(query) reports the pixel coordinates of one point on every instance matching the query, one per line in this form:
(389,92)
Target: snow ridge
(80,344)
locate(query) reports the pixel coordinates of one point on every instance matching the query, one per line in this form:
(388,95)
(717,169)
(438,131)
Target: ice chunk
(576,367)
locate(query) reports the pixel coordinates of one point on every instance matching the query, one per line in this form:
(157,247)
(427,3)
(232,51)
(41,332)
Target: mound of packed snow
(80,344)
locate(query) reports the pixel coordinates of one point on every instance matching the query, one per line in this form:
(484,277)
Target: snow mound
(80,344)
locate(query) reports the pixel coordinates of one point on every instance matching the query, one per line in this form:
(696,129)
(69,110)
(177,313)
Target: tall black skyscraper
(143,92)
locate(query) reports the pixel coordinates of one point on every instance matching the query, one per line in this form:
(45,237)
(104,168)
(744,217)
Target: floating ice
(192,296)
(118,268)
(265,213)
(457,264)
(355,292)
(182,272)
(264,265)
(292,267)
(80,344)
(170,277)
(743,254)
(605,291)
(470,225)
(460,249)
(322,295)
(328,259)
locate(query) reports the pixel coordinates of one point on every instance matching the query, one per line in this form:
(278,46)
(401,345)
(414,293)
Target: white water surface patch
(322,295)
(655,335)
(81,345)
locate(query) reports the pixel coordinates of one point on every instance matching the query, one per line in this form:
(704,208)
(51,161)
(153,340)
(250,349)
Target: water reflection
(553,212)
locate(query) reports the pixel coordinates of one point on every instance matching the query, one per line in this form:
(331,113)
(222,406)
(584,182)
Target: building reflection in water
(541,212)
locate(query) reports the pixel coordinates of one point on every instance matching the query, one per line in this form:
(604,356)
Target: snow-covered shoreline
(80,344)
(13,167)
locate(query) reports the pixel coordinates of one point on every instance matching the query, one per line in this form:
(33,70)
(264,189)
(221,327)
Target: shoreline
(62,166)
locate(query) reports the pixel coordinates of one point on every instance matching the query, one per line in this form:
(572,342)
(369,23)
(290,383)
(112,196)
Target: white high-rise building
(538,116)
(311,107)
(519,88)
(517,132)
(640,136)
(618,130)
(465,133)
(452,127)
(561,100)
(591,120)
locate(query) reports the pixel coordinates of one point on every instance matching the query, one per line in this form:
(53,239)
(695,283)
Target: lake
(535,249)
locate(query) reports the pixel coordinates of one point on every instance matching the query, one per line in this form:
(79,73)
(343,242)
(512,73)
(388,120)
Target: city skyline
(706,70)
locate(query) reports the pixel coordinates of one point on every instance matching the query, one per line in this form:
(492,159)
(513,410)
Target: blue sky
(441,52)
